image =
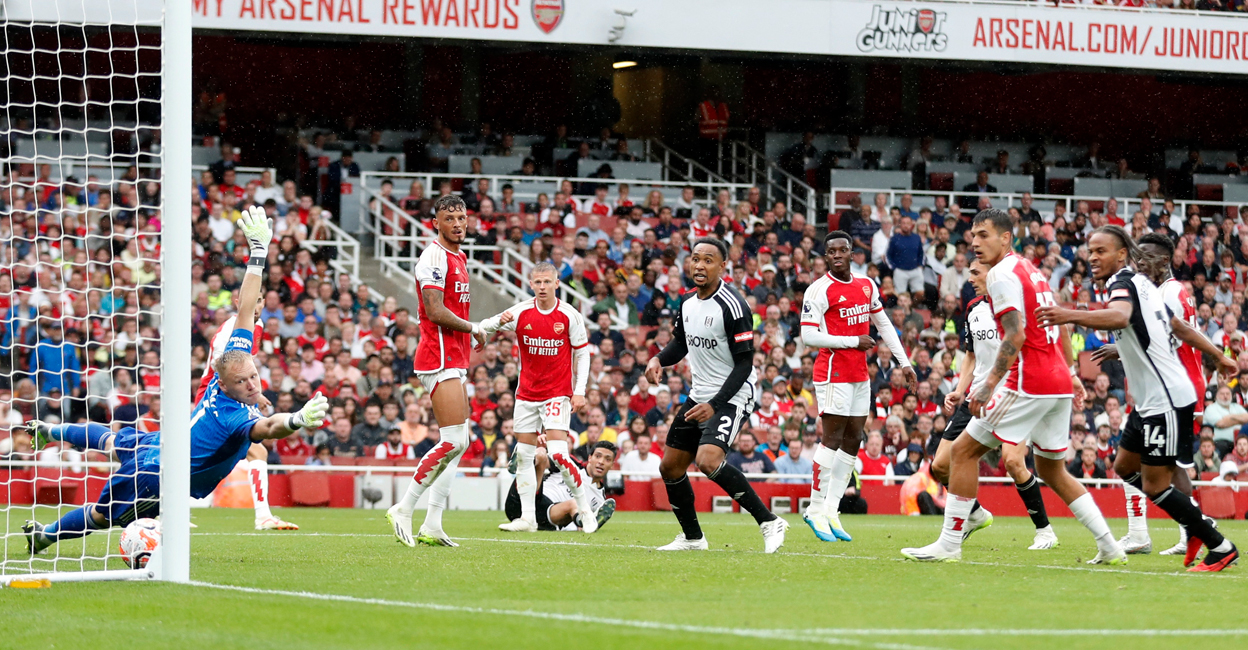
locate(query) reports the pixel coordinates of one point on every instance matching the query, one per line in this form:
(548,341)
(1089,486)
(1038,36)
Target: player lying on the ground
(557,508)
(981,341)
(838,310)
(257,462)
(715,333)
(1189,345)
(1164,397)
(549,334)
(1032,405)
(223,426)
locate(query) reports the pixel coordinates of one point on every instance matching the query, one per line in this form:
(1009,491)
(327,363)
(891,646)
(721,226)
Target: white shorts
(555,414)
(430,380)
(908,281)
(849,400)
(1013,418)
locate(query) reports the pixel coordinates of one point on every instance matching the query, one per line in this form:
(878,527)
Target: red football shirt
(841,309)
(1182,304)
(546,341)
(1040,369)
(446,271)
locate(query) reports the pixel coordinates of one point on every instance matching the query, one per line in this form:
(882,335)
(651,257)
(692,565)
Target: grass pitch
(343,582)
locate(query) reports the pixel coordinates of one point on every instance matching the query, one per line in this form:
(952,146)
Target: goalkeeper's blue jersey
(220,429)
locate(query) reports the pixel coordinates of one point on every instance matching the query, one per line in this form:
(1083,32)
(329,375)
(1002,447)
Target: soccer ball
(138,541)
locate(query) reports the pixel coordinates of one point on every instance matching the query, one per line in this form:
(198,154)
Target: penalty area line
(792,636)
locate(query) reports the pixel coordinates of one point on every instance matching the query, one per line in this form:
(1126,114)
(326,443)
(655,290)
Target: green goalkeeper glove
(312,415)
(259,231)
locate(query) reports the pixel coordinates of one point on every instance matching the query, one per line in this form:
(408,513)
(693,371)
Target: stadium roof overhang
(996,31)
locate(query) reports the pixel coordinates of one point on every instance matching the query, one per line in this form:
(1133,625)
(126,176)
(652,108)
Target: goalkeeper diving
(223,425)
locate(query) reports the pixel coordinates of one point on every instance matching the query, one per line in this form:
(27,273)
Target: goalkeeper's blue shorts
(133,491)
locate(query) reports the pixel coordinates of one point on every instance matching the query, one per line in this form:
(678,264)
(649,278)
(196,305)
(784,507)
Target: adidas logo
(842,299)
(528,327)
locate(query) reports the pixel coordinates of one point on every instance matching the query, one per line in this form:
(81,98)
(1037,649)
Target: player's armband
(240,339)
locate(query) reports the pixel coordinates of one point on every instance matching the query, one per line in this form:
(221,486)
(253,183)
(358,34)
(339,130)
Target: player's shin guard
(842,468)
(434,463)
(1180,508)
(91,435)
(526,480)
(1137,507)
(821,478)
(680,496)
(735,484)
(440,493)
(1029,492)
(74,524)
(258,482)
(1085,510)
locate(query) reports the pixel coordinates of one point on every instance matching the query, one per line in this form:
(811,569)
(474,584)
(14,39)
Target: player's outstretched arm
(311,416)
(504,321)
(1187,334)
(1115,316)
(258,229)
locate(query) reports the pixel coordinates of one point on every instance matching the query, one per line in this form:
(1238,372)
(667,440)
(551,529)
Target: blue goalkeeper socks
(74,524)
(91,435)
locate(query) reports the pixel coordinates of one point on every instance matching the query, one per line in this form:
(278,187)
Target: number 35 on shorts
(552,408)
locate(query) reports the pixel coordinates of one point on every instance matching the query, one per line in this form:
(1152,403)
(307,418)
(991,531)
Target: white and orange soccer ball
(138,541)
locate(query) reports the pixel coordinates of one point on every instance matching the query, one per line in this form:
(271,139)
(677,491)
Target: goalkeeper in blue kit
(223,426)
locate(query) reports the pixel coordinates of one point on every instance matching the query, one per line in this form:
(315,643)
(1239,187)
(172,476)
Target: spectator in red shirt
(925,405)
(642,401)
(1088,465)
(394,448)
(481,402)
(873,460)
(294,445)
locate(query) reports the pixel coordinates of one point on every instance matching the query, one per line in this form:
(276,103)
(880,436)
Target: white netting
(80,271)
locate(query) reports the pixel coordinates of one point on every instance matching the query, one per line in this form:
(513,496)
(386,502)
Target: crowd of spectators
(81,321)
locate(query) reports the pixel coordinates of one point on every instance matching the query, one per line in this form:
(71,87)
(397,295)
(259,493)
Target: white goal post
(97,95)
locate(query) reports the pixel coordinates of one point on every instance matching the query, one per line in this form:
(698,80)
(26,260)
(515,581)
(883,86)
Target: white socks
(821,477)
(258,482)
(571,477)
(444,455)
(842,468)
(957,521)
(1089,515)
(526,480)
(1137,513)
(439,493)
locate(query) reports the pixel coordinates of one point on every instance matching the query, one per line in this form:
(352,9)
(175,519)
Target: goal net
(89,280)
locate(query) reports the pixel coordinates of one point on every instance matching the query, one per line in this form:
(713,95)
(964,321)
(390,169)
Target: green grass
(810,593)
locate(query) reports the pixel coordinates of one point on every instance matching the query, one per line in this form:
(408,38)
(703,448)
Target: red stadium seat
(309,489)
(294,459)
(1061,186)
(1208,192)
(834,220)
(940,181)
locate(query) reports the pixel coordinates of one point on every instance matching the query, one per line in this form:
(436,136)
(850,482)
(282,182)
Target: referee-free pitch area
(343,582)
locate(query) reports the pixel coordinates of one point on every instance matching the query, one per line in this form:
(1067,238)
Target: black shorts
(954,428)
(1160,440)
(543,504)
(720,430)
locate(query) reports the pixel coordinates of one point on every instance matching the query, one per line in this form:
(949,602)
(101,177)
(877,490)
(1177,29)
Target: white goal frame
(171,562)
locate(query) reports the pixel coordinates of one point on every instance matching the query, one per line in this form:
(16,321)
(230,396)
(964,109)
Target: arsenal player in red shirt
(441,364)
(551,337)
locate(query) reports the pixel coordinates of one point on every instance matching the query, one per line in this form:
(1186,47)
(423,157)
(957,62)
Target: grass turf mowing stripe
(835,556)
(793,636)
(1024,632)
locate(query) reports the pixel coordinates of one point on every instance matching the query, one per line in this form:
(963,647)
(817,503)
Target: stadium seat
(291,459)
(310,489)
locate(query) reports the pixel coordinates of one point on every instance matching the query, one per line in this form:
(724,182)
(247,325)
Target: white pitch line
(792,636)
(1025,632)
(826,556)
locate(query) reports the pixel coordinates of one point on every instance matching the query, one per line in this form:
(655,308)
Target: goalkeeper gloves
(258,229)
(312,415)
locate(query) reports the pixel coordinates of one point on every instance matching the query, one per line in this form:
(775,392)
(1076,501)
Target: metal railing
(677,166)
(347,257)
(749,165)
(525,190)
(1126,205)
(399,239)
(245,174)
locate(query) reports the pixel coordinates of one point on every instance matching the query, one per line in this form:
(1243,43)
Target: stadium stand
(620,257)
